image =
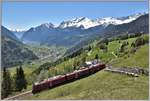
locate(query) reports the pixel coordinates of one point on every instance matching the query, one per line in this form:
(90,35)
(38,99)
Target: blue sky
(24,15)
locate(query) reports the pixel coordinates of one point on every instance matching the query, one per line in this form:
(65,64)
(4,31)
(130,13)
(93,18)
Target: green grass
(112,48)
(139,59)
(102,85)
(26,67)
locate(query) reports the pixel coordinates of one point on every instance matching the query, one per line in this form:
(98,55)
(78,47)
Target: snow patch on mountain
(47,25)
(17,30)
(18,33)
(87,23)
(78,22)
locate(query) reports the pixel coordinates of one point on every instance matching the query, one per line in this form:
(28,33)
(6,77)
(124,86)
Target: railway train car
(60,79)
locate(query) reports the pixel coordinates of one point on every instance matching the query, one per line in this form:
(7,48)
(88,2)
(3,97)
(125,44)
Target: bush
(146,39)
(140,41)
(102,46)
(125,43)
(43,75)
(133,50)
(96,56)
(134,35)
(105,41)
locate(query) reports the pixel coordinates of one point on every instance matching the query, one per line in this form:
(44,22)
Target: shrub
(125,43)
(146,39)
(105,41)
(140,41)
(102,46)
(43,75)
(96,56)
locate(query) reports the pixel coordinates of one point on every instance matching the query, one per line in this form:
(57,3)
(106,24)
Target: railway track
(16,97)
(27,93)
(108,68)
(68,77)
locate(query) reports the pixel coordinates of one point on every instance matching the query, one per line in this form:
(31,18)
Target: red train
(60,79)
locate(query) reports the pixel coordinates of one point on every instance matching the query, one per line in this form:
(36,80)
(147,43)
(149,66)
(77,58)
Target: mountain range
(72,34)
(74,31)
(140,25)
(86,23)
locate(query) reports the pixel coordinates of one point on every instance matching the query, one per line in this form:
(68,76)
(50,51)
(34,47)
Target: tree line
(14,83)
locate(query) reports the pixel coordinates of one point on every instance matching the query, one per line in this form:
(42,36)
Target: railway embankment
(131,71)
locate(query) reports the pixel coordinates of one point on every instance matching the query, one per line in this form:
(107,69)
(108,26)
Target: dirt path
(114,54)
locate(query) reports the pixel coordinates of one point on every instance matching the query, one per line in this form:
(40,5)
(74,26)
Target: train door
(50,84)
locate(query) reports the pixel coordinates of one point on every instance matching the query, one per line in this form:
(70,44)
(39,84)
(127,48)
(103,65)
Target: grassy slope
(139,59)
(102,85)
(112,48)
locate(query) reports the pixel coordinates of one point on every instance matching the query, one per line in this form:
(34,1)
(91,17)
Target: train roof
(51,78)
(88,62)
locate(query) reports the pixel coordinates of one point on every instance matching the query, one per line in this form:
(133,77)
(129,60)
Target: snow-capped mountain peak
(106,21)
(116,21)
(108,18)
(80,19)
(48,25)
(78,22)
(87,23)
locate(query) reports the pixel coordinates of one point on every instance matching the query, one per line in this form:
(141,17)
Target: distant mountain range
(18,33)
(72,32)
(86,23)
(13,50)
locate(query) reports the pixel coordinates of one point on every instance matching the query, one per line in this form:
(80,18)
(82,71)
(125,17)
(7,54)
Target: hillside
(108,57)
(139,59)
(13,51)
(104,84)
(140,25)
(75,51)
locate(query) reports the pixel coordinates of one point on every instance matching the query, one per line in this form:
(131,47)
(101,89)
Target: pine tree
(17,82)
(6,83)
(24,81)
(20,80)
